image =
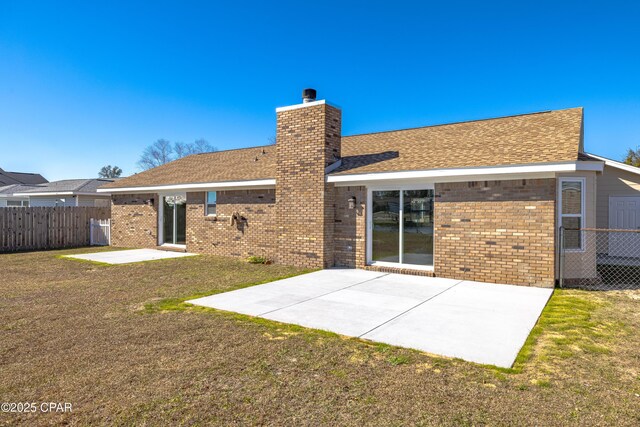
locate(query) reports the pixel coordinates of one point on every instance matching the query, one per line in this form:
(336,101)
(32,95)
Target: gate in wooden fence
(33,228)
(100,232)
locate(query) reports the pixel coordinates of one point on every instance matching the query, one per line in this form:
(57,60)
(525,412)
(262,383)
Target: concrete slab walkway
(129,256)
(478,322)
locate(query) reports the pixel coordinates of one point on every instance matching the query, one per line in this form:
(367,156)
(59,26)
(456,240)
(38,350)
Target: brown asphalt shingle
(230,165)
(553,136)
(532,138)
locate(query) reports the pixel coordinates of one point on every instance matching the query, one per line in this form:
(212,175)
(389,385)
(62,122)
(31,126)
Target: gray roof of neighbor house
(73,186)
(7,178)
(9,190)
(546,137)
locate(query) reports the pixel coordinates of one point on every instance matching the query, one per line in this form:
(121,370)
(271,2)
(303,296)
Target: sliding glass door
(417,227)
(174,219)
(386,226)
(402,227)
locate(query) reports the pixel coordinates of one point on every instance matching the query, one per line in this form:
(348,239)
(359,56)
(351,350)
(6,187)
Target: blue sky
(84,84)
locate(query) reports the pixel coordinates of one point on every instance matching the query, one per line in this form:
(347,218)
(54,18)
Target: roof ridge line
(231,149)
(464,121)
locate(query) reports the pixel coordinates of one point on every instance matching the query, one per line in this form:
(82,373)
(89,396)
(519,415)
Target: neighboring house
(9,199)
(9,178)
(479,200)
(68,192)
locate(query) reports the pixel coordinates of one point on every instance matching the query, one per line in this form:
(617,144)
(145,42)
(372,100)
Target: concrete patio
(129,256)
(479,322)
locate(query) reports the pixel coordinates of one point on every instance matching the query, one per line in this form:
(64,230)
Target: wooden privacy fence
(32,228)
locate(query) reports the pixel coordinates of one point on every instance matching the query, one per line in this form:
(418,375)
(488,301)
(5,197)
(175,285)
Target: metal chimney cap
(308,95)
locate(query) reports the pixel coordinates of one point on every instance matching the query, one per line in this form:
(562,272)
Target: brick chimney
(307,141)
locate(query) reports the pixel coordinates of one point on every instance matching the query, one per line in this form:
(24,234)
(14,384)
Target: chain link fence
(599,259)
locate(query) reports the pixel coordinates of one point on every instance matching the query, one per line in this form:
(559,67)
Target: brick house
(479,200)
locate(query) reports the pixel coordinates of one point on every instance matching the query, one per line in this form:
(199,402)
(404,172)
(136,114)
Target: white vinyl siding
(52,201)
(614,182)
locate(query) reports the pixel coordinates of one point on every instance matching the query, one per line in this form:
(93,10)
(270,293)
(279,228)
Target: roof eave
(470,173)
(616,164)
(58,193)
(201,186)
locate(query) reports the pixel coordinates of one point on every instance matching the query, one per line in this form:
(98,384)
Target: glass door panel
(174,219)
(417,230)
(181,223)
(167,221)
(386,226)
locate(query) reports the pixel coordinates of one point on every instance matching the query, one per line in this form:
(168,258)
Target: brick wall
(496,231)
(134,220)
(350,227)
(255,236)
(307,140)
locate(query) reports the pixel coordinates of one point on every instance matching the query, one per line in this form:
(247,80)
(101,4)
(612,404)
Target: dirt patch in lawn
(120,345)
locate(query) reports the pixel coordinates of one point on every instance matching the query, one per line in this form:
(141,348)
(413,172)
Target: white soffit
(545,170)
(205,186)
(59,193)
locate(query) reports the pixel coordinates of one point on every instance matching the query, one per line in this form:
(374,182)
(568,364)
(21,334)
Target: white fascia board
(59,193)
(587,165)
(211,186)
(51,193)
(616,164)
(504,172)
(12,196)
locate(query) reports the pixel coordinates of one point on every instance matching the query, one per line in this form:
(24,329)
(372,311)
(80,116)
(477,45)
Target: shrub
(258,260)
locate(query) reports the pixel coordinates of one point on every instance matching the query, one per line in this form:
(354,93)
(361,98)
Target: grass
(120,343)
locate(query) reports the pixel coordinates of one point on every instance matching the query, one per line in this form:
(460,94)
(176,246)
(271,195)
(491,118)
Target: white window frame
(206,204)
(581,215)
(401,189)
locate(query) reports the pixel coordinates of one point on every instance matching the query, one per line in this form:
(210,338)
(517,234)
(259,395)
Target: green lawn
(120,345)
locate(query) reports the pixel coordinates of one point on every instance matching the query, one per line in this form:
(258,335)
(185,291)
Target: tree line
(160,152)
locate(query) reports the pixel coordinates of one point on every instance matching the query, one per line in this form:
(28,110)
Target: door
(386,226)
(174,219)
(624,214)
(401,227)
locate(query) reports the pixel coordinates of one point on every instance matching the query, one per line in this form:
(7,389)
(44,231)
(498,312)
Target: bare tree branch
(158,153)
(162,151)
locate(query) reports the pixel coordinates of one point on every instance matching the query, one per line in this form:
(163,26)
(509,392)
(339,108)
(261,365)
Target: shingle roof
(7,178)
(553,136)
(546,137)
(8,190)
(68,185)
(230,165)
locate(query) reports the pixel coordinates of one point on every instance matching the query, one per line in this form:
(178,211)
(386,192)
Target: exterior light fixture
(352,202)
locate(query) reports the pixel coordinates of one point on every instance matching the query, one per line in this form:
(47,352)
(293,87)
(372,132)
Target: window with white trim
(210,209)
(572,211)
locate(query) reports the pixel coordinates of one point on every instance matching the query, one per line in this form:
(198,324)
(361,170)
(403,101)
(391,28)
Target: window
(572,211)
(211,203)
(17,203)
(401,224)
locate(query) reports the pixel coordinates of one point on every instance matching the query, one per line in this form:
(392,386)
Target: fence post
(561,257)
